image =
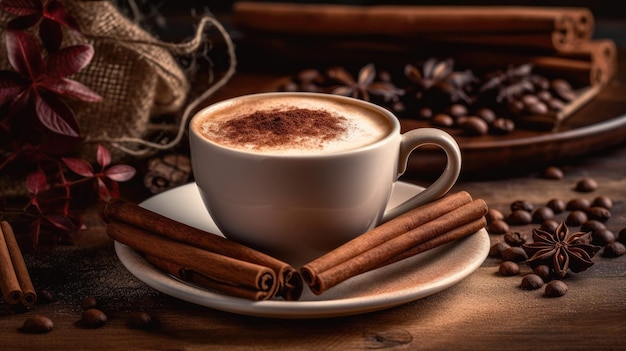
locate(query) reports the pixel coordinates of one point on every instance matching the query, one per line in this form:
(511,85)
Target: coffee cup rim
(395,130)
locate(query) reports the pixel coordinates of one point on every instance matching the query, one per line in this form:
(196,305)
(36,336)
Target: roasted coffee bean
(555,104)
(553,173)
(493,215)
(88,302)
(621,236)
(549,225)
(514,238)
(598,213)
(614,249)
(592,225)
(458,110)
(544,95)
(529,99)
(515,254)
(37,324)
(497,227)
(543,271)
(474,126)
(522,205)
(44,296)
(93,318)
(496,249)
(486,114)
(577,204)
(602,237)
(508,268)
(557,205)
(576,218)
(555,288)
(538,108)
(502,126)
(531,282)
(542,214)
(562,89)
(519,217)
(602,201)
(586,185)
(425,113)
(142,320)
(442,120)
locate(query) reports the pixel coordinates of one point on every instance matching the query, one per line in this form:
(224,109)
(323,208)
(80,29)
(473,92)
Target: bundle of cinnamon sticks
(15,282)
(557,39)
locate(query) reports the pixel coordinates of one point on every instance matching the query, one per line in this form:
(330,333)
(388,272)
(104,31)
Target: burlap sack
(137,75)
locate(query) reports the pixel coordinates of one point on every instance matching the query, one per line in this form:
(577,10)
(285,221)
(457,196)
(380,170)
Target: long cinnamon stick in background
(328,271)
(289,281)
(225,270)
(29,295)
(9,284)
(548,27)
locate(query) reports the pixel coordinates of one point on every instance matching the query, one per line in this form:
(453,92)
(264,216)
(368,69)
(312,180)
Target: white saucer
(396,284)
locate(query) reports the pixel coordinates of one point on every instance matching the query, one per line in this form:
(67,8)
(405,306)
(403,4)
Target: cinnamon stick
(289,282)
(29,295)
(359,255)
(545,27)
(226,271)
(9,284)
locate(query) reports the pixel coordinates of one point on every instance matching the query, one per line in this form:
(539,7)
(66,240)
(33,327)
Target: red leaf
(69,60)
(56,115)
(60,221)
(71,88)
(11,85)
(103,156)
(23,22)
(24,54)
(36,182)
(120,173)
(103,191)
(21,7)
(51,35)
(57,12)
(78,166)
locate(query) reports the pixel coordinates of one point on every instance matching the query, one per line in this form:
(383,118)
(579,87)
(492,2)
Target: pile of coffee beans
(579,214)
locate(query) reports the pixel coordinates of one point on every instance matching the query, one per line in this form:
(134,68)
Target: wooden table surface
(483,311)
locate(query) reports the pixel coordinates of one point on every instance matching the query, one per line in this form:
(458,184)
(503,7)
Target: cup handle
(420,137)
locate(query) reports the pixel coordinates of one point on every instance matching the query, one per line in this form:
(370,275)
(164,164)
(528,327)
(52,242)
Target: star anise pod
(364,86)
(441,76)
(561,250)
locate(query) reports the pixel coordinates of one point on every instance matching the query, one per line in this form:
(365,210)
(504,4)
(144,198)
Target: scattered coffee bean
(592,225)
(497,248)
(442,120)
(458,110)
(474,126)
(603,201)
(514,238)
(562,89)
(602,237)
(614,249)
(536,108)
(549,225)
(586,185)
(543,271)
(37,324)
(493,215)
(88,302)
(598,213)
(502,126)
(93,318)
(576,218)
(542,214)
(577,204)
(522,205)
(44,297)
(555,288)
(519,217)
(515,254)
(531,282)
(143,321)
(497,227)
(425,113)
(555,104)
(557,205)
(486,114)
(508,268)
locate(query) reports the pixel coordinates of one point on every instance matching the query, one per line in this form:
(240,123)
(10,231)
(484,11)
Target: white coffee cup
(297,202)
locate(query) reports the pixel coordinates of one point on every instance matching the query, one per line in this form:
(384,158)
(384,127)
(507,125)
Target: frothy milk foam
(360,126)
